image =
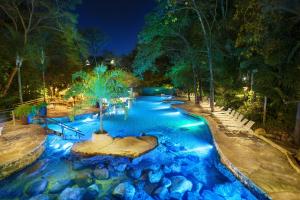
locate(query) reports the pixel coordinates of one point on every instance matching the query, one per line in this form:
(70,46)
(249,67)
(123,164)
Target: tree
(28,18)
(99,86)
(96,40)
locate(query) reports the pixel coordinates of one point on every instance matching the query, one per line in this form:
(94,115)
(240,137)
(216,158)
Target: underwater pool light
(161,107)
(87,119)
(204,150)
(67,146)
(192,124)
(172,113)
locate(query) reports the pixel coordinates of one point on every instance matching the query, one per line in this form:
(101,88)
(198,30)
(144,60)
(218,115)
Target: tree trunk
(44,85)
(195,84)
(297,126)
(211,80)
(20,84)
(11,77)
(101,115)
(189,95)
(200,90)
(265,110)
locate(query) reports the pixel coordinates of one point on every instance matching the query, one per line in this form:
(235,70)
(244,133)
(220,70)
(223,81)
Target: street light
(87,63)
(112,62)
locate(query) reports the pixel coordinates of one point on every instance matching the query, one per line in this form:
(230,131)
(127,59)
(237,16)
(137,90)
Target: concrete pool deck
(103,144)
(20,145)
(247,155)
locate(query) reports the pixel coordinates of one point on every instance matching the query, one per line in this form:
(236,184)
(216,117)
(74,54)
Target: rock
(139,185)
(193,196)
(154,167)
(83,179)
(101,174)
(197,188)
(155,176)
(179,186)
(72,194)
(92,192)
(121,167)
(135,173)
(260,131)
(207,194)
(167,169)
(142,195)
(175,168)
(37,187)
(60,186)
(11,191)
(166,182)
(161,192)
(124,191)
(40,197)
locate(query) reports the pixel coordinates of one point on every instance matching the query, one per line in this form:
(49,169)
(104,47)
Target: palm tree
(100,86)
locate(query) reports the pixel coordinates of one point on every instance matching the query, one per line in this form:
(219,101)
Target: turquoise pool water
(185,165)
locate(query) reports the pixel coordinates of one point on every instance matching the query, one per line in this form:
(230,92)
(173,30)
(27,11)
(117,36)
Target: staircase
(78,133)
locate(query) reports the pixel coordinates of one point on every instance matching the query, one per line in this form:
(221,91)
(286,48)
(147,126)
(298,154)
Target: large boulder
(72,194)
(60,186)
(37,187)
(142,195)
(175,168)
(207,194)
(101,174)
(155,176)
(161,193)
(179,186)
(92,192)
(83,179)
(193,196)
(124,191)
(166,182)
(40,197)
(135,173)
(121,167)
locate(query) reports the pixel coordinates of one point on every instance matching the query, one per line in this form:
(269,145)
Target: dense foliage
(40,48)
(237,52)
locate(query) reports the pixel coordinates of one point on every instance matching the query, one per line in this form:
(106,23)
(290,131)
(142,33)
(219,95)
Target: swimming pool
(185,165)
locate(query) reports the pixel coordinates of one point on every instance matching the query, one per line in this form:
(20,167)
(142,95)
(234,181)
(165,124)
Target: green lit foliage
(100,85)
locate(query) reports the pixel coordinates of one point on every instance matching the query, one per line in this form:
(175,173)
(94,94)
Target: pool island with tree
(179,100)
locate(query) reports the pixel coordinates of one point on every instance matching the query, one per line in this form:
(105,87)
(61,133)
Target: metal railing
(63,126)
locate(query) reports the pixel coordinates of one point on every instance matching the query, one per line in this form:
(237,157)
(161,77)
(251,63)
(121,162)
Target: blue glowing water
(185,165)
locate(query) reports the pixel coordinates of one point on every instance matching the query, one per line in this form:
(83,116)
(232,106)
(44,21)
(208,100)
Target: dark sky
(121,20)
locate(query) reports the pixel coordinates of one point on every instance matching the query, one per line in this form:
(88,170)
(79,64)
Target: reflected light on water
(172,113)
(161,107)
(202,149)
(192,124)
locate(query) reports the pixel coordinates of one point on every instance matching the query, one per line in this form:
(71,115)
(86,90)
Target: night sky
(121,20)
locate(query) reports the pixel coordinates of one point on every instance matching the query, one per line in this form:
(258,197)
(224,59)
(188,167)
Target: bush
(24,110)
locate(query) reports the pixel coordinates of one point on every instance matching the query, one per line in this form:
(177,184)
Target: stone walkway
(63,111)
(247,155)
(103,144)
(20,146)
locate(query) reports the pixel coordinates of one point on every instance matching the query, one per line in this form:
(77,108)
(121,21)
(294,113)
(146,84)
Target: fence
(8,114)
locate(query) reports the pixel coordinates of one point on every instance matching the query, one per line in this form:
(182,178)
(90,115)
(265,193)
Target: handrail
(78,132)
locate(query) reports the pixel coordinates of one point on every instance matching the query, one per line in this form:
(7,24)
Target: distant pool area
(185,165)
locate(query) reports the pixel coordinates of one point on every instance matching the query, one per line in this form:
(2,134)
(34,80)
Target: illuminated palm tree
(100,87)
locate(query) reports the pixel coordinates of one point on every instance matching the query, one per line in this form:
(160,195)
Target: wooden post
(13,117)
(265,110)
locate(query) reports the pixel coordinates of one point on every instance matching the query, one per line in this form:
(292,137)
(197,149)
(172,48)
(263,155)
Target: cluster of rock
(164,173)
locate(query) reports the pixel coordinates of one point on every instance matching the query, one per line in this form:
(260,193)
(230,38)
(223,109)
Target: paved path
(20,146)
(267,167)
